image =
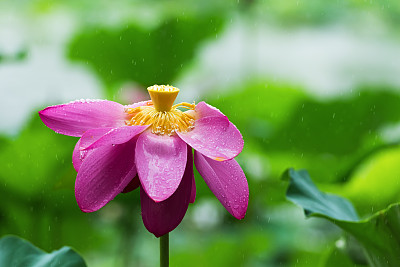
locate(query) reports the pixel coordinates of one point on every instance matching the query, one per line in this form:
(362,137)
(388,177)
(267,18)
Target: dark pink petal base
(160,218)
(193,191)
(133,184)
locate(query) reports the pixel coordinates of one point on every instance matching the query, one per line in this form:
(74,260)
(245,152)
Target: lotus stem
(164,250)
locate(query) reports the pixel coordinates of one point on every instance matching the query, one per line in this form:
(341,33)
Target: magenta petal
(76,156)
(160,218)
(138,104)
(77,117)
(104,174)
(92,135)
(133,184)
(227,181)
(193,191)
(115,136)
(205,110)
(160,161)
(214,137)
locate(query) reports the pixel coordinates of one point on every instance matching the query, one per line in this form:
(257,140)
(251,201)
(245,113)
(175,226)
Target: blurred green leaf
(304,193)
(221,247)
(340,126)
(379,234)
(298,130)
(338,257)
(374,183)
(145,56)
(17,252)
(246,106)
(37,189)
(35,161)
(314,12)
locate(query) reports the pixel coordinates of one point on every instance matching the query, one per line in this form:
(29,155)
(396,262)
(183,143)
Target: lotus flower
(149,145)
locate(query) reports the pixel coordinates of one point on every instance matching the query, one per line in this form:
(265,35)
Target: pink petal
(78,155)
(214,137)
(160,160)
(79,116)
(92,135)
(227,181)
(104,174)
(114,136)
(193,191)
(138,104)
(163,217)
(203,109)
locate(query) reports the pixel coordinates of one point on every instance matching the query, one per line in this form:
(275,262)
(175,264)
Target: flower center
(161,114)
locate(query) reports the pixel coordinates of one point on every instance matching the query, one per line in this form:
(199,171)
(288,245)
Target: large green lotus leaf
(378,234)
(132,53)
(17,252)
(304,193)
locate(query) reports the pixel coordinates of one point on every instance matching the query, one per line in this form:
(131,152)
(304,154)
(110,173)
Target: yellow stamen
(164,117)
(184,105)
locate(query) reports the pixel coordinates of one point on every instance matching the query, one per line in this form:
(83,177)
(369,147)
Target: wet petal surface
(227,181)
(161,161)
(114,136)
(205,110)
(92,135)
(79,155)
(104,174)
(77,117)
(214,137)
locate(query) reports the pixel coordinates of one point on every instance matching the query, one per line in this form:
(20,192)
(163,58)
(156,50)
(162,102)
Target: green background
(346,137)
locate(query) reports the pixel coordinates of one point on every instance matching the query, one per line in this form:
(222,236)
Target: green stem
(164,250)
